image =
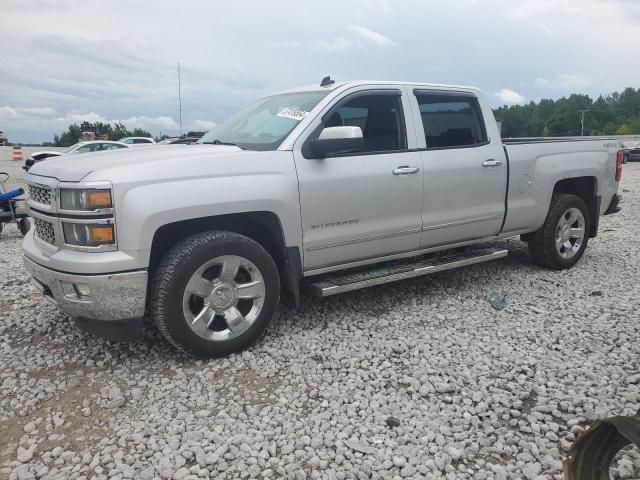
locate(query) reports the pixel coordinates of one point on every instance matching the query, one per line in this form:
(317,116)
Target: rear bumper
(109,297)
(614,206)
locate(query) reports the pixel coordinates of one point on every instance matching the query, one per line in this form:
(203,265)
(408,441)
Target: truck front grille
(45,231)
(40,195)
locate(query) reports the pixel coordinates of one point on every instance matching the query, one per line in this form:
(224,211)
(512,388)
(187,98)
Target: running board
(394,271)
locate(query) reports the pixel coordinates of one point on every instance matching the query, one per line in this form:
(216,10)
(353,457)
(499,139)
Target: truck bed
(536,165)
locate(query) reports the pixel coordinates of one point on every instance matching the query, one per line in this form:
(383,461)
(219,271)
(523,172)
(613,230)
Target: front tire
(24,225)
(214,293)
(563,238)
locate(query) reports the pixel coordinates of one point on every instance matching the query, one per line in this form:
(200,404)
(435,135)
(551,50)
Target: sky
(66,61)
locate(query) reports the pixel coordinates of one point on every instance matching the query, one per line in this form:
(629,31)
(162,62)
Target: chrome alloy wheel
(570,233)
(223,298)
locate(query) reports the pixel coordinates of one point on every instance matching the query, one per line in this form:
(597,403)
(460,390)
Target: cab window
(379,116)
(451,120)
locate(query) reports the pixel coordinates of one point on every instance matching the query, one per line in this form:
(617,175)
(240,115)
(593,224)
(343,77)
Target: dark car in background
(632,153)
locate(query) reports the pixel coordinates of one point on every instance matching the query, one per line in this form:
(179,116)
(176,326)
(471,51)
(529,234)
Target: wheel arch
(587,189)
(263,227)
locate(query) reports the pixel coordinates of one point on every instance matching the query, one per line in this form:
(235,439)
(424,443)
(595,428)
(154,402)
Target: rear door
(362,205)
(465,171)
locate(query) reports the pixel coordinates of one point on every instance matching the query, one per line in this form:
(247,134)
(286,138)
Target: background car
(137,141)
(178,141)
(633,152)
(80,147)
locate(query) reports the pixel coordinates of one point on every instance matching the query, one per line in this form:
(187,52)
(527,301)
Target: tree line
(614,114)
(112,132)
(107,131)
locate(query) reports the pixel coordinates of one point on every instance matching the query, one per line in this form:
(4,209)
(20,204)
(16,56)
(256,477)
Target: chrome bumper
(116,296)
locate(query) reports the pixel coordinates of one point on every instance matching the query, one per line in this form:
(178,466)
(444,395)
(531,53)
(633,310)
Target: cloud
(41,111)
(564,81)
(154,124)
(284,43)
(150,123)
(76,117)
(371,37)
(7,113)
(358,36)
(202,125)
(546,29)
(509,97)
(333,45)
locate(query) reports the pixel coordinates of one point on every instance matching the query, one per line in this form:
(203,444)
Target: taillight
(619,162)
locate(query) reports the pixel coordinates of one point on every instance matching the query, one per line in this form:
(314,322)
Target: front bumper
(115,296)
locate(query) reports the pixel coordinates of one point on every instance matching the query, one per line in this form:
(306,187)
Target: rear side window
(141,140)
(451,120)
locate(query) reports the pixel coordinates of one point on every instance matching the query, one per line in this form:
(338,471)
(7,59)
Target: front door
(465,171)
(367,204)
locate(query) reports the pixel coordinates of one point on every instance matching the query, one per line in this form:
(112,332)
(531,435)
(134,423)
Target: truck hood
(128,162)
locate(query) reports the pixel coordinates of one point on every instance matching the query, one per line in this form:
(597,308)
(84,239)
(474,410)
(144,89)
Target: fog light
(82,289)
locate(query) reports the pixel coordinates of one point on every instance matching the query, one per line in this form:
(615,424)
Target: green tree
(632,127)
(117,131)
(607,115)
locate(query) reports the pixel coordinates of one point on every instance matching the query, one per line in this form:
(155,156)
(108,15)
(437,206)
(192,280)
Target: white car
(137,141)
(80,147)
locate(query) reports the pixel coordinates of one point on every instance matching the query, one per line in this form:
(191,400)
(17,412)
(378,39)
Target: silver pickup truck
(327,188)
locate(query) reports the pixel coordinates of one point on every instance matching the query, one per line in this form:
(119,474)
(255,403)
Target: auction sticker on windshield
(293,113)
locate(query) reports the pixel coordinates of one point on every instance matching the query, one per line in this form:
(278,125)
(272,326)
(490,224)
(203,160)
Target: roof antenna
(326,81)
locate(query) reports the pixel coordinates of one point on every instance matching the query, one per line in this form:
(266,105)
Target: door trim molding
(369,238)
(461,222)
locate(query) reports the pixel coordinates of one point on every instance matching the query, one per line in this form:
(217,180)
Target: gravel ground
(478,393)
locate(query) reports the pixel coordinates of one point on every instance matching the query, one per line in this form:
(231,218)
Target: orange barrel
(17,153)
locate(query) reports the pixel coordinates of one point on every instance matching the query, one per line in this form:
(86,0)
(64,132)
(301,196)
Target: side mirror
(337,140)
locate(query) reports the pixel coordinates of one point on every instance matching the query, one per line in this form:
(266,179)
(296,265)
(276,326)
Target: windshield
(265,123)
(71,148)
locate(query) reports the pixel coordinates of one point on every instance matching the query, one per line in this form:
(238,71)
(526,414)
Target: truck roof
(356,83)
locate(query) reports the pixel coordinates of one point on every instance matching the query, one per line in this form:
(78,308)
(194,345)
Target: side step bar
(380,274)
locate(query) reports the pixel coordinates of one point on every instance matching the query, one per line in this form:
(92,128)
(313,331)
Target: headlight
(85,199)
(88,234)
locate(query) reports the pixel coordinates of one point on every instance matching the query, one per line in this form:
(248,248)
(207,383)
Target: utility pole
(582,112)
(180,98)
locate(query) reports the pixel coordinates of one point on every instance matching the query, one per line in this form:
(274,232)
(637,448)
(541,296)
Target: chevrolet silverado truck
(326,188)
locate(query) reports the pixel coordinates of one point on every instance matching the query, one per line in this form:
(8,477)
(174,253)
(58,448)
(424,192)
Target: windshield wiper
(220,142)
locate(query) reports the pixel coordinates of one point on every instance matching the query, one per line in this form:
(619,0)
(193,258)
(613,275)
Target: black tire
(625,158)
(542,244)
(174,272)
(24,225)
(1,227)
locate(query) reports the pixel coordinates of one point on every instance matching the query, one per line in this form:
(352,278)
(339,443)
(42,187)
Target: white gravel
(479,393)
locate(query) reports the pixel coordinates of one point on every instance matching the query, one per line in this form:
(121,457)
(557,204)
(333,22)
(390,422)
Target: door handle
(491,163)
(405,170)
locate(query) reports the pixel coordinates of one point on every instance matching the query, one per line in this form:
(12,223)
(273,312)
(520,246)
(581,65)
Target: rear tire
(563,238)
(214,293)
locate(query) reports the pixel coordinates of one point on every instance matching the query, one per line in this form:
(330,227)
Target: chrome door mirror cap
(340,133)
(337,141)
